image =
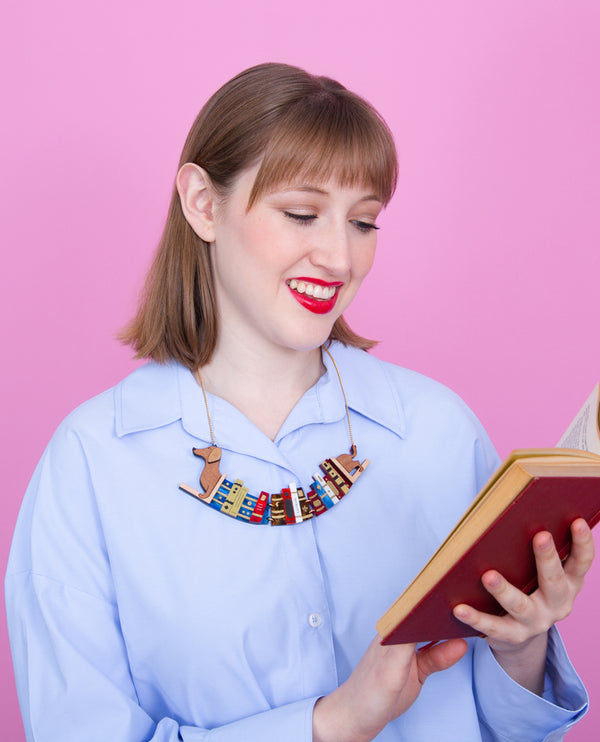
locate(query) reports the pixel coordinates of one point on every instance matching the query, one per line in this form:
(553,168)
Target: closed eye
(300,218)
(364,226)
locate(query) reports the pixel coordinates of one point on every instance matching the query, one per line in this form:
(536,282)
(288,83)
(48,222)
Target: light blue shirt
(137,612)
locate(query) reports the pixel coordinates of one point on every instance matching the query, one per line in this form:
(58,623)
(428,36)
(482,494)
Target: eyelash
(300,218)
(306,219)
(365,226)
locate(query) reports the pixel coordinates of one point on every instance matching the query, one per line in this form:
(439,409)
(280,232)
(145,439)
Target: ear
(197,198)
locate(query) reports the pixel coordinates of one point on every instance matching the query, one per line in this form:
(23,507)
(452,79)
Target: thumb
(440,657)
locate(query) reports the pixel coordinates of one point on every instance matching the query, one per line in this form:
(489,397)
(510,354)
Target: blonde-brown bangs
(326,139)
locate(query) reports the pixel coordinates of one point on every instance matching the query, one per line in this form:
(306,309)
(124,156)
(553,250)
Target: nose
(331,251)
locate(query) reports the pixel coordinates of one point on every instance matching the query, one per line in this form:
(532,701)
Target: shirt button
(315,620)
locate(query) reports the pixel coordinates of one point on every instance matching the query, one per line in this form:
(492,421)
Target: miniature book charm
(291,505)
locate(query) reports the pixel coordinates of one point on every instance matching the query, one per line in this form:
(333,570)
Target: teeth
(312,289)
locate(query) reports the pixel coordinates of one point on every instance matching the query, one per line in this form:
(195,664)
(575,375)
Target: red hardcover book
(259,509)
(534,490)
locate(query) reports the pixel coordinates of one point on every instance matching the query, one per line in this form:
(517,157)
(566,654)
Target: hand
(518,639)
(384,684)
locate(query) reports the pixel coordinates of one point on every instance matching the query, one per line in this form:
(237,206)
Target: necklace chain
(210,427)
(343,394)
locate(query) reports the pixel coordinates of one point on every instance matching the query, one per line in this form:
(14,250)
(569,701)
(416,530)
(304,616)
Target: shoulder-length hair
(295,124)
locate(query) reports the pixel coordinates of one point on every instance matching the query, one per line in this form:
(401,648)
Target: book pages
(584,432)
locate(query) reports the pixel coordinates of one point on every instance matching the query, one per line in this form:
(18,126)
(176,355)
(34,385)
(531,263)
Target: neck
(264,384)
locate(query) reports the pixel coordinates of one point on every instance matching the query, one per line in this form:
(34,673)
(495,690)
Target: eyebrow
(321,192)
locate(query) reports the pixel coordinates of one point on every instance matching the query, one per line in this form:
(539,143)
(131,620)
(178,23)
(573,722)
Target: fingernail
(544,542)
(493,581)
(461,611)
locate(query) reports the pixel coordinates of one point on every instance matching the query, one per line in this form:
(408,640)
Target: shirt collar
(155,395)
(148,398)
(368,387)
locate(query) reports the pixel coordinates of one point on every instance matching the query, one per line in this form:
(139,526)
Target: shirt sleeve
(70,654)
(507,711)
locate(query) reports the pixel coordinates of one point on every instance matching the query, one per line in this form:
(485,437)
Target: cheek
(362,261)
(263,243)
(243,248)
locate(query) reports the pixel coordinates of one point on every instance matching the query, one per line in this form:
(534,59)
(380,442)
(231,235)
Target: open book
(533,490)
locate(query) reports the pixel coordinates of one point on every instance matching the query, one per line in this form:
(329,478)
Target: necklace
(292,504)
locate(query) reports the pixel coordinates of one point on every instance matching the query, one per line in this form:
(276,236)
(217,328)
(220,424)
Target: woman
(146,606)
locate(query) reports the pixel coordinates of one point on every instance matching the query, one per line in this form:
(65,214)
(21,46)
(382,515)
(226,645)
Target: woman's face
(286,269)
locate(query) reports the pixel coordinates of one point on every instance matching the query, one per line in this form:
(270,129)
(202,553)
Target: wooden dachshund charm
(211,477)
(346,462)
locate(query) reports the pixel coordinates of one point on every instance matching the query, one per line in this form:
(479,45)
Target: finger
(551,577)
(478,620)
(501,628)
(522,618)
(582,551)
(440,657)
(514,601)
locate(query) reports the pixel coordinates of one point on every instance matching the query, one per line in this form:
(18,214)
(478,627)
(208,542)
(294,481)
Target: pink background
(487,269)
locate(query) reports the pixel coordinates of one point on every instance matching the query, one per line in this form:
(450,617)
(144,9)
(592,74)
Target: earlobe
(196,195)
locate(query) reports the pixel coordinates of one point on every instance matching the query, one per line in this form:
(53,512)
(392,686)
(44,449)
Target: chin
(309,339)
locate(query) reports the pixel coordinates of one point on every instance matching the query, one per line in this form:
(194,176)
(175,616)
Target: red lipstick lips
(312,303)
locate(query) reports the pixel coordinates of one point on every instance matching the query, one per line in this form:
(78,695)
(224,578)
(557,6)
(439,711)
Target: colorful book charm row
(291,505)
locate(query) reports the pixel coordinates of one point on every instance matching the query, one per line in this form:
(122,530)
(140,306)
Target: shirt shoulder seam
(57,582)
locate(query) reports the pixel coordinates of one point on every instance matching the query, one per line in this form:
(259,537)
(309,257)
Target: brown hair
(296,124)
